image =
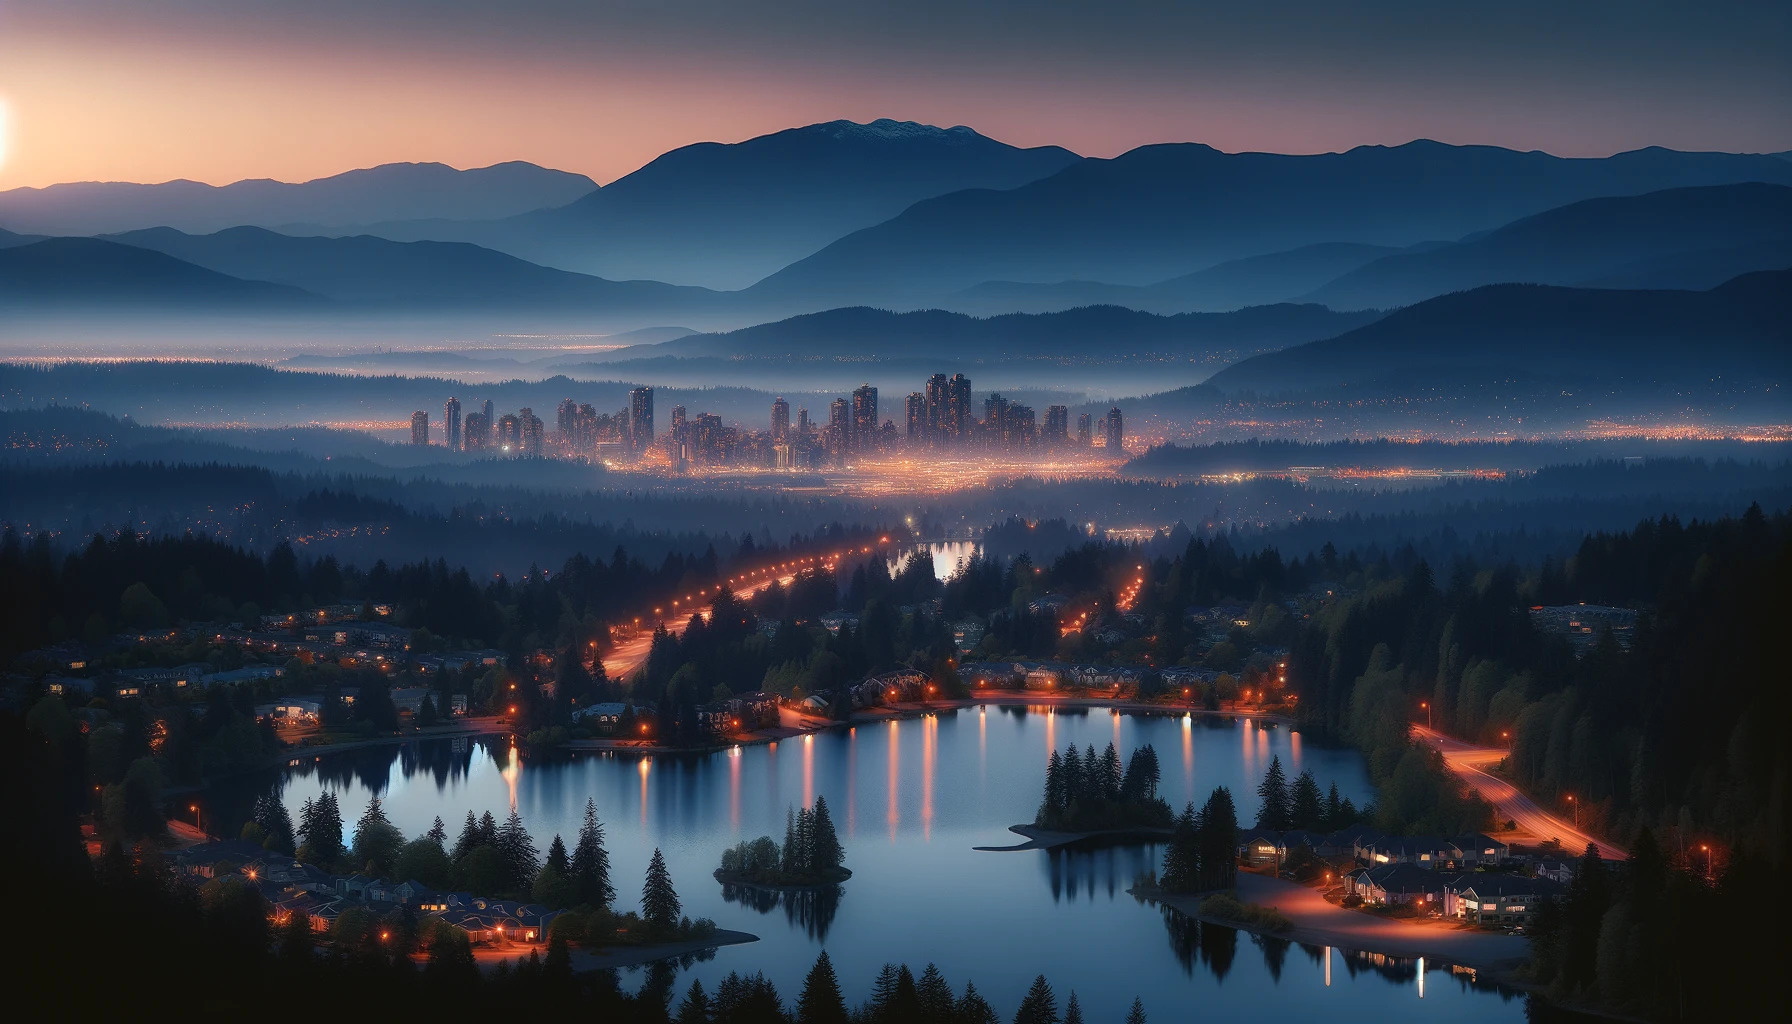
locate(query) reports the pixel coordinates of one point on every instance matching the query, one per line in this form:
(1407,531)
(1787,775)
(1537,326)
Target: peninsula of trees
(1086,792)
(811,854)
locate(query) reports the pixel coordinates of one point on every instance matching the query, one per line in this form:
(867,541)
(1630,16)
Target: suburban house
(1477,849)
(1424,851)
(1500,899)
(1399,885)
(1556,870)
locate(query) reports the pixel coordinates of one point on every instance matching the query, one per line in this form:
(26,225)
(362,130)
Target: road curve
(623,659)
(1470,762)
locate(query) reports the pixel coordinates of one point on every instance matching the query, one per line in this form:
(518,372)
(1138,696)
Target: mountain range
(1161,211)
(1738,333)
(725,215)
(1676,238)
(94,275)
(1252,281)
(376,272)
(1090,333)
(385,192)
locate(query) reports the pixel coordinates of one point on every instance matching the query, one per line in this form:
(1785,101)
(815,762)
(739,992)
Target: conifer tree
(937,1003)
(1054,788)
(1136,1015)
(1039,1006)
(276,824)
(1334,810)
(827,854)
(659,901)
(590,864)
(377,840)
(438,833)
(974,1009)
(883,993)
(695,1008)
(821,1001)
(1073,1012)
(1304,809)
(468,838)
(1273,792)
(1110,773)
(522,862)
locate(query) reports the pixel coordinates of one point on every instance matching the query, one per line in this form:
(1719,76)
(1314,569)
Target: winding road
(1470,762)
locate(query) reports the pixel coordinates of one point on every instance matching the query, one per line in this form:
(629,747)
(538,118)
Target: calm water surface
(911,800)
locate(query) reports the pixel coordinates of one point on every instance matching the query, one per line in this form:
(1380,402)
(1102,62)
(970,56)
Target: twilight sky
(217,90)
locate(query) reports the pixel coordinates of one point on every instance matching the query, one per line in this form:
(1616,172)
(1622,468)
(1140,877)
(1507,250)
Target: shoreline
(1047,839)
(619,956)
(810,725)
(719,876)
(1496,954)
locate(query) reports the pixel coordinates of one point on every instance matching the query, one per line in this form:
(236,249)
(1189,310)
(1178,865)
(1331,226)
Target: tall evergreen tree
(1054,786)
(827,853)
(659,901)
(1273,794)
(1039,1006)
(1073,1011)
(695,1008)
(591,862)
(522,862)
(974,1009)
(276,824)
(468,838)
(938,1006)
(377,840)
(1136,1015)
(1182,854)
(1304,809)
(821,1001)
(438,833)
(1334,810)
(488,830)
(1219,840)
(1111,774)
(883,995)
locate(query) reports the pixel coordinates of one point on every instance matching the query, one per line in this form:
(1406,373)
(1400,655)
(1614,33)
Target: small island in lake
(1087,792)
(810,856)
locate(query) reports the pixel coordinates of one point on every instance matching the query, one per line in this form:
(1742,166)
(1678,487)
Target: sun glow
(3,133)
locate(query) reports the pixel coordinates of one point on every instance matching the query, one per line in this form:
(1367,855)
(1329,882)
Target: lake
(911,799)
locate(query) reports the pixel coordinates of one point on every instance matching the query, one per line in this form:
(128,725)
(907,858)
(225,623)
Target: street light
(1572,803)
(1707,848)
(196,817)
(1427,706)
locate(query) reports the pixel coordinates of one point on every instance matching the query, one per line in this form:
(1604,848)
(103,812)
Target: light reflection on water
(919,891)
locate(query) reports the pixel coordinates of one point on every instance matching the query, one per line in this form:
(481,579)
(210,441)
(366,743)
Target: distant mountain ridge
(1253,281)
(1741,329)
(725,215)
(1161,211)
(378,272)
(1660,239)
(1106,331)
(385,192)
(91,274)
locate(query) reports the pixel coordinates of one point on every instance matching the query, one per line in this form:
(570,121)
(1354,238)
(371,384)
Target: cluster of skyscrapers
(939,417)
(579,430)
